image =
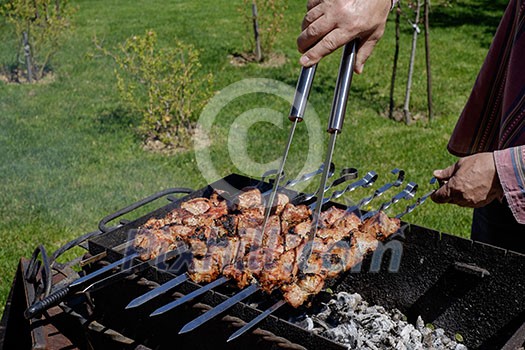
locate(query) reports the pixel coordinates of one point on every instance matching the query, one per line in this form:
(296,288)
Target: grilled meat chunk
(294,214)
(292,241)
(298,293)
(380,226)
(180,232)
(197,220)
(226,226)
(330,216)
(249,228)
(272,238)
(301,229)
(249,199)
(278,272)
(219,206)
(244,269)
(220,253)
(150,243)
(280,202)
(196,206)
(296,234)
(174,217)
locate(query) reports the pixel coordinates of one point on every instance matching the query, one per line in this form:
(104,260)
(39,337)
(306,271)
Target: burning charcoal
(305,322)
(323,325)
(419,323)
(346,334)
(349,301)
(416,336)
(405,333)
(324,313)
(351,321)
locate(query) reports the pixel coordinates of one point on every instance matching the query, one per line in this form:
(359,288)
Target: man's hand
(329,24)
(471,182)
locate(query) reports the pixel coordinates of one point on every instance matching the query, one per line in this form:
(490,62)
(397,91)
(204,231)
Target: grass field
(69,155)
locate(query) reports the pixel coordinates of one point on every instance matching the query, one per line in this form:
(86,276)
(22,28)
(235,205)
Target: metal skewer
(162,289)
(103,270)
(367,181)
(133,270)
(408,193)
(342,89)
(419,201)
(347,174)
(163,309)
(225,305)
(381,190)
(303,178)
(302,91)
(256,320)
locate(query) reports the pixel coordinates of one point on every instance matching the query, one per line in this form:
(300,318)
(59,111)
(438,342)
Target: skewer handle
(302,91)
(53,299)
(342,88)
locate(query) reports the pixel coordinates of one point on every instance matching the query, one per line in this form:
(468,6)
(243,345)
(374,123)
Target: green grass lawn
(69,156)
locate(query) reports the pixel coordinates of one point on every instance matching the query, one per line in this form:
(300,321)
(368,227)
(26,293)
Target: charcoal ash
(351,321)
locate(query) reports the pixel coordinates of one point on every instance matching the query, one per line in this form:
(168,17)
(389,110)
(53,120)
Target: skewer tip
(156,313)
(234,336)
(132,305)
(188,327)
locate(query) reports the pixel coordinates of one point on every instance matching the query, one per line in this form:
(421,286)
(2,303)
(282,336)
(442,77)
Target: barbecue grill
(472,291)
(464,287)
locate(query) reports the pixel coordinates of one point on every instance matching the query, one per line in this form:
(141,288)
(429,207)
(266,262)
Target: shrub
(270,19)
(164,84)
(40,27)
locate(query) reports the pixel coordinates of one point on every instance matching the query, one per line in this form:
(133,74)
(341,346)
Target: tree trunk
(406,108)
(258,52)
(394,68)
(427,53)
(27,54)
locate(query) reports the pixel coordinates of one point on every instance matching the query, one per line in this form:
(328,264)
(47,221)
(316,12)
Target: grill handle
(177,190)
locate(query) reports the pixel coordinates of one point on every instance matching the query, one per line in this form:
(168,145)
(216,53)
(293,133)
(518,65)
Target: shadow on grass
(485,14)
(117,119)
(363,94)
(13,73)
(369,96)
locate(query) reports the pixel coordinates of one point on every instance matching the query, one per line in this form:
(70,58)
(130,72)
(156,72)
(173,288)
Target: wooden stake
(27,54)
(394,68)
(258,52)
(427,53)
(406,108)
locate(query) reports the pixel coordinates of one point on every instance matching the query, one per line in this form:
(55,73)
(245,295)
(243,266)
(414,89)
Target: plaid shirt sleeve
(510,165)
